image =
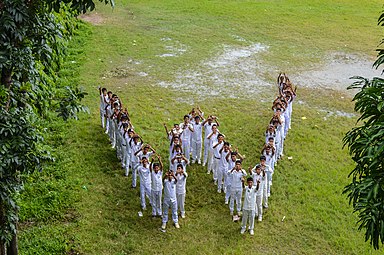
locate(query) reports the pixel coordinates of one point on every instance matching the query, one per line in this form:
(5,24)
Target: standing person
(268,181)
(259,178)
(108,110)
(249,206)
(187,128)
(207,124)
(197,140)
(231,158)
(157,186)
(222,168)
(136,142)
(212,137)
(103,104)
(181,177)
(216,157)
(237,178)
(170,199)
(128,137)
(145,182)
(179,159)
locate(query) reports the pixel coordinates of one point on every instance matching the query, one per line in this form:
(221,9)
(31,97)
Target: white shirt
(181,181)
(182,162)
(207,129)
(157,182)
(213,139)
(197,132)
(170,189)
(140,155)
(134,149)
(186,135)
(258,177)
(145,175)
(236,177)
(223,160)
(216,150)
(249,198)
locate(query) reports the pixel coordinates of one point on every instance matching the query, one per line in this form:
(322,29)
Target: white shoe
(215,182)
(260,218)
(242,231)
(193,162)
(199,162)
(226,202)
(183,215)
(208,172)
(164,225)
(203,164)
(251,232)
(239,213)
(231,213)
(177,225)
(219,191)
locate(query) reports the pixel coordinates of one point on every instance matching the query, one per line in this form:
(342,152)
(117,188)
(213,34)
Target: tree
(366,145)
(33,36)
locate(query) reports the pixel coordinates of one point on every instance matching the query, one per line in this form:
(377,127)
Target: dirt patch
(336,71)
(235,72)
(94,18)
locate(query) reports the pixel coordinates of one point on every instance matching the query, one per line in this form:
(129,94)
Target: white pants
(156,202)
(170,203)
(206,150)
(235,195)
(135,165)
(127,160)
(248,216)
(265,195)
(259,207)
(228,193)
(187,148)
(196,150)
(268,182)
(111,132)
(145,191)
(220,176)
(210,160)
(215,168)
(102,117)
(181,202)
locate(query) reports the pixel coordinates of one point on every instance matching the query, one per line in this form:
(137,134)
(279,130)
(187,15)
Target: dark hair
(179,165)
(142,158)
(109,92)
(263,157)
(226,143)
(233,153)
(220,135)
(258,166)
(186,116)
(156,164)
(125,125)
(103,89)
(249,179)
(214,124)
(114,95)
(238,161)
(197,117)
(271,138)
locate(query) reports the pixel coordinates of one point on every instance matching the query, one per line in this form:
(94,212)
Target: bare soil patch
(94,18)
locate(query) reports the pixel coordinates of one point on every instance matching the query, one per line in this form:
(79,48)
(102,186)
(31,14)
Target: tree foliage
(33,38)
(366,145)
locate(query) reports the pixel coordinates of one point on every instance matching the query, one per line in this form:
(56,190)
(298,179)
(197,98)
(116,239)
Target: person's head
(258,169)
(144,161)
(176,139)
(179,168)
(197,119)
(226,146)
(214,128)
(271,140)
(179,157)
(209,120)
(176,126)
(136,138)
(104,91)
(186,118)
(125,126)
(115,105)
(156,167)
(262,159)
(220,137)
(278,111)
(233,155)
(146,149)
(238,165)
(109,94)
(250,181)
(177,147)
(271,128)
(130,132)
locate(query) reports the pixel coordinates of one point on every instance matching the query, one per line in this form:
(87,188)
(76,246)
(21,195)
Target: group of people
(197,140)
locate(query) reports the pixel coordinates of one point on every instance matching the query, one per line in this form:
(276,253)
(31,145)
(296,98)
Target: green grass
(82,203)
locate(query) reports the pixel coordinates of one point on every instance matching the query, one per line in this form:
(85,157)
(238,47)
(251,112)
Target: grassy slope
(307,189)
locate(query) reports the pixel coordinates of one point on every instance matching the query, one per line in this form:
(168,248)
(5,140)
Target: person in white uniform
(135,143)
(181,177)
(157,186)
(237,178)
(145,182)
(170,200)
(197,140)
(207,124)
(103,104)
(216,157)
(212,137)
(258,179)
(179,159)
(249,206)
(187,128)
(223,167)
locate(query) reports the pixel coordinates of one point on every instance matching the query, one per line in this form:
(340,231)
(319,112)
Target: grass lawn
(83,204)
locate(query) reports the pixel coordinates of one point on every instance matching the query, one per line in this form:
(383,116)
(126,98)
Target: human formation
(198,140)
